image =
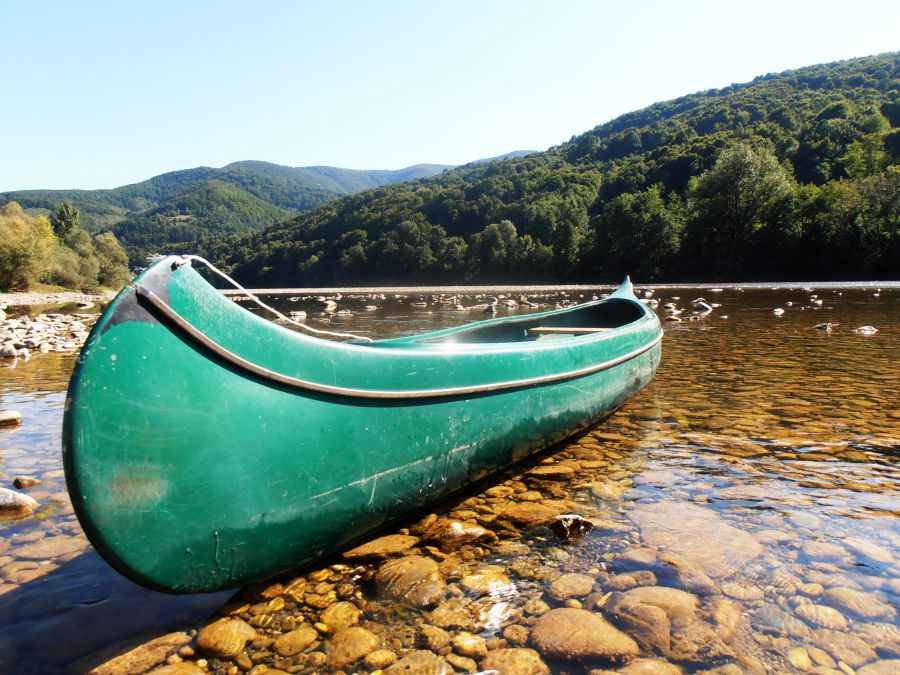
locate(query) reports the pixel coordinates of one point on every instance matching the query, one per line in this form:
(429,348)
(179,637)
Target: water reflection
(757,476)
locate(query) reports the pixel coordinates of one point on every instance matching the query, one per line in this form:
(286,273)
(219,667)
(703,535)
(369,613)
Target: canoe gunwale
(446,392)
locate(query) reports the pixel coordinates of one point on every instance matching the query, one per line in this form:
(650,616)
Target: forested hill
(181,206)
(792,175)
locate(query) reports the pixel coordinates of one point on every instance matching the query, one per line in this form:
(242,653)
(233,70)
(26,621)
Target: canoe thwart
(564,330)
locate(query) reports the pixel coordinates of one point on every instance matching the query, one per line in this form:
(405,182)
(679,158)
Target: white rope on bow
(274,311)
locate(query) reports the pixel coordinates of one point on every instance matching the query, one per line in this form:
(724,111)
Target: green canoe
(206,447)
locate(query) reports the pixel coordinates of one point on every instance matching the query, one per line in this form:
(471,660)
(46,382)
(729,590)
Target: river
(742,509)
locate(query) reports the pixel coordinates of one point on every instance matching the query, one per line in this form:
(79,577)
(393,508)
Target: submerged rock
(862,604)
(296,640)
(349,646)
(412,579)
(515,661)
(420,661)
(225,638)
(578,634)
(696,534)
(383,547)
(143,657)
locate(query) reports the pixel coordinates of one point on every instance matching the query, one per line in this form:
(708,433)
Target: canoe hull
(189,476)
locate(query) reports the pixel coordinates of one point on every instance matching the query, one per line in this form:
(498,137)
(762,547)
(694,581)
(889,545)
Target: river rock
(552,472)
(569,526)
(515,661)
(15,504)
(822,616)
(862,604)
(647,624)
(485,581)
(697,534)
(457,613)
(340,615)
(679,606)
(350,645)
(413,579)
(420,661)
(571,586)
(844,647)
(886,667)
(144,657)
(296,640)
(698,643)
(383,547)
(650,667)
(225,638)
(531,514)
(25,482)
(726,618)
(515,634)
(884,637)
(450,534)
(823,550)
(52,547)
(10,418)
(576,634)
(686,575)
(868,550)
(772,619)
(743,592)
(380,659)
(469,644)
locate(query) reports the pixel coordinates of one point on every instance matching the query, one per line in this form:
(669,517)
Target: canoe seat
(564,330)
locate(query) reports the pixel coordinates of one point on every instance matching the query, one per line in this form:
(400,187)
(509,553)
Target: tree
(637,234)
(112,261)
(742,192)
(65,220)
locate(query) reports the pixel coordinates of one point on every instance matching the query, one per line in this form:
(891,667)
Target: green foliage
(31,252)
(792,175)
(65,220)
(181,206)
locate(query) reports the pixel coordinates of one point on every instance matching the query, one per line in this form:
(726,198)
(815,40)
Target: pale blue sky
(101,94)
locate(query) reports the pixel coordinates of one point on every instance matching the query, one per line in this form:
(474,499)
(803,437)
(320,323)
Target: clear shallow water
(764,454)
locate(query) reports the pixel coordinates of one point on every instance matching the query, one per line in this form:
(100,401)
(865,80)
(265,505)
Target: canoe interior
(188,475)
(611,314)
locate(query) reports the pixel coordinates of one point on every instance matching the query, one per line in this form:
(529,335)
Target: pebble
(744,592)
(485,581)
(380,659)
(571,586)
(420,661)
(383,547)
(225,638)
(822,616)
(844,647)
(296,640)
(469,644)
(515,661)
(25,482)
(578,634)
